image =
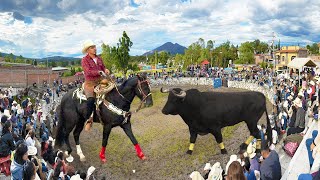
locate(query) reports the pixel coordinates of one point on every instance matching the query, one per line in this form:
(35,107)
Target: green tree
(246,53)
(19,59)
(122,52)
(210,45)
(192,54)
(107,56)
(163,57)
(313,49)
(35,62)
(201,43)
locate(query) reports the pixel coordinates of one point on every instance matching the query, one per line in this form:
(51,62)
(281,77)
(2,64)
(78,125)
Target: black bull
(209,112)
(71,114)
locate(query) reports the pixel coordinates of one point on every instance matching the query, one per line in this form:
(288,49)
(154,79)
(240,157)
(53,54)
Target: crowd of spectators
(26,144)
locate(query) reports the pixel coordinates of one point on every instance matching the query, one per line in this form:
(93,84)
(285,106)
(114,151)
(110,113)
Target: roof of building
(60,69)
(14,64)
(298,63)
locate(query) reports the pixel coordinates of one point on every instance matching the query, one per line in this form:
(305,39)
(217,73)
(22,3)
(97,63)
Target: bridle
(144,95)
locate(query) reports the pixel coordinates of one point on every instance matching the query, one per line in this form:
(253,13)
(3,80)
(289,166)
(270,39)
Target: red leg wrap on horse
(139,152)
(102,154)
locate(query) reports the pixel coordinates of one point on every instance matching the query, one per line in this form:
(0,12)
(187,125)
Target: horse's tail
(61,128)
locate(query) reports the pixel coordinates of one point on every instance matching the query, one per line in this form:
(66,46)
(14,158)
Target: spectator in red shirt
(93,68)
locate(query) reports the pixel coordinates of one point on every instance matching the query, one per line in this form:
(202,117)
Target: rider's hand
(102,73)
(107,71)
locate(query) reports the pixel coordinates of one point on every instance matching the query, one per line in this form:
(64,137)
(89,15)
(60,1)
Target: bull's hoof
(189,152)
(258,151)
(243,147)
(224,151)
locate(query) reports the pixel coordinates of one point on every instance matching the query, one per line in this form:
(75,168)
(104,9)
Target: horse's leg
(128,130)
(76,135)
(106,132)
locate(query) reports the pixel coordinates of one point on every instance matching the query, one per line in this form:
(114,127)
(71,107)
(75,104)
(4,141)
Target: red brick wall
(26,76)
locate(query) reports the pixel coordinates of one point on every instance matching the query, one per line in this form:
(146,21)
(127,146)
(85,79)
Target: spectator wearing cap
(90,171)
(313,91)
(30,138)
(6,142)
(195,175)
(206,170)
(216,172)
(270,167)
(14,106)
(299,124)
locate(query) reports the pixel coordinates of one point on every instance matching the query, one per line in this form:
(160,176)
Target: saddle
(101,90)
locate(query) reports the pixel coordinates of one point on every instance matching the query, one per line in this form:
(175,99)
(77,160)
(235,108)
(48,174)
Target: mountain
(168,47)
(53,58)
(59,58)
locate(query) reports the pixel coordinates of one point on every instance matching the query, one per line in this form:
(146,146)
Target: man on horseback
(93,68)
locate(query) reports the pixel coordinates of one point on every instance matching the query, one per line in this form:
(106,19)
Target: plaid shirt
(91,69)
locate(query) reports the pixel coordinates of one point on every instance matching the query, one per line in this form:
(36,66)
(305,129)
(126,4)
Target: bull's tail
(61,128)
(269,129)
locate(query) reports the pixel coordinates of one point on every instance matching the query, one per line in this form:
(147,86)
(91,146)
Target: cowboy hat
(29,103)
(312,83)
(90,171)
(233,157)
(69,159)
(32,151)
(297,102)
(207,166)
(251,150)
(14,102)
(76,177)
(86,45)
(195,175)
(7,113)
(216,172)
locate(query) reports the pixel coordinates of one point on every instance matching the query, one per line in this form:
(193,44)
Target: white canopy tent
(300,63)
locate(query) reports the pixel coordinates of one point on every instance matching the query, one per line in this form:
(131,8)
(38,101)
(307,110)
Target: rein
(140,90)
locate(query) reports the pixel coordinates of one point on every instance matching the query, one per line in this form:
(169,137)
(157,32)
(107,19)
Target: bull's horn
(164,90)
(182,94)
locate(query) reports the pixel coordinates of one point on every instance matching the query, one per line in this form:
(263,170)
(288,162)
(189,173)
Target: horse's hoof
(224,151)
(189,152)
(103,160)
(82,159)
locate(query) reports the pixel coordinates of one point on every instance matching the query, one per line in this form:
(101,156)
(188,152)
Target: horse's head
(143,90)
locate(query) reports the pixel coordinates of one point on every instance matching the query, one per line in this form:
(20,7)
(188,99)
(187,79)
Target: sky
(42,28)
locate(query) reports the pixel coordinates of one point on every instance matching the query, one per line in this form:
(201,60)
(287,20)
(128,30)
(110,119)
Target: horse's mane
(124,84)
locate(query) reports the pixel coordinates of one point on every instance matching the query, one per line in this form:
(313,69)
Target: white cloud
(155,22)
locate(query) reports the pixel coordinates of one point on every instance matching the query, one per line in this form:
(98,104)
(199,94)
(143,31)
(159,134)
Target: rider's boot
(89,116)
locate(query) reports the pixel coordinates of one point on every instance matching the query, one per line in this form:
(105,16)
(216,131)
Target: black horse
(72,114)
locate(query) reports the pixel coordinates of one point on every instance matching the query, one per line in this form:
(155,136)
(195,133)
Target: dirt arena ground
(163,139)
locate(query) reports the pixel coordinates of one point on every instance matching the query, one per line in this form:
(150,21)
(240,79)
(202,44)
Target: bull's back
(230,108)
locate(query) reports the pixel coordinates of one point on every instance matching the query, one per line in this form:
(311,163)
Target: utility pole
(273,55)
